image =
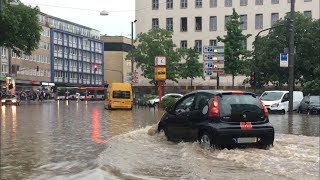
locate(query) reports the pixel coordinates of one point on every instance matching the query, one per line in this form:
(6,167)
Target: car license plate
(246,140)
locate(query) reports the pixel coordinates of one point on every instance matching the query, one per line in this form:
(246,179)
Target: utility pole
(291,57)
(132,57)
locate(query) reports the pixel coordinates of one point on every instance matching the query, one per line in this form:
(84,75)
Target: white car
(278,101)
(155,101)
(10,100)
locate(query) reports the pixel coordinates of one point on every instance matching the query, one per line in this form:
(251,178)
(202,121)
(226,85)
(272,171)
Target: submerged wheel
(164,131)
(266,146)
(206,140)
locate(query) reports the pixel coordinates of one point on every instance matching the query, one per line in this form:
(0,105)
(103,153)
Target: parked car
(155,101)
(278,101)
(219,119)
(10,100)
(310,105)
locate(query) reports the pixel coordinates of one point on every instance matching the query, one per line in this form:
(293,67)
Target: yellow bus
(119,96)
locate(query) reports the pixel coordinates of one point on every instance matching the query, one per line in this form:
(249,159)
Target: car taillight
(214,108)
(265,110)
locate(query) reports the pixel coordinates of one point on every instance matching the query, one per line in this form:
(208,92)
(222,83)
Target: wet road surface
(74,140)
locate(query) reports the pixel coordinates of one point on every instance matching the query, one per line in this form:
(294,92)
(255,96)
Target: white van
(278,101)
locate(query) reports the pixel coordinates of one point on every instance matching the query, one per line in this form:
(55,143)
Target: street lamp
(132,57)
(104,13)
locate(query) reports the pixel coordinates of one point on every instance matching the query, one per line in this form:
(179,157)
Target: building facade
(28,71)
(116,68)
(76,54)
(198,23)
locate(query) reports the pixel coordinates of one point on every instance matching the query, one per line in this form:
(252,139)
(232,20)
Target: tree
(156,42)
(191,68)
(20,29)
(234,50)
(307,47)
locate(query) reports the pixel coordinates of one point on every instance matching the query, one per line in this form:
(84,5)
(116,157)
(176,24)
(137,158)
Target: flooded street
(82,140)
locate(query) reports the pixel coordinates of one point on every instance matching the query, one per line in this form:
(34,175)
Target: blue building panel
(95,78)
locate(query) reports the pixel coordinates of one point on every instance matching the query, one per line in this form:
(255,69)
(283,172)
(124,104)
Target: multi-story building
(196,23)
(28,72)
(76,53)
(117,67)
(69,54)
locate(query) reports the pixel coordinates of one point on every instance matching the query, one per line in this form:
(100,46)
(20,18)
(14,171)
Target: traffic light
(37,68)
(95,67)
(10,86)
(253,78)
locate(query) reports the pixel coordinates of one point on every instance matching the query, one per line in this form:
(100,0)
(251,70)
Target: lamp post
(132,57)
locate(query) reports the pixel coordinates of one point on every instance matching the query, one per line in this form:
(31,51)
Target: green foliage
(312,87)
(20,28)
(191,68)
(234,52)
(267,49)
(168,102)
(156,42)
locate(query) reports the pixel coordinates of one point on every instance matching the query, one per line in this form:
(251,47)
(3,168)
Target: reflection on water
(56,138)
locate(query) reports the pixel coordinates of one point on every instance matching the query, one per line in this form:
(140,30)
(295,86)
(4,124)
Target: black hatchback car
(310,105)
(219,119)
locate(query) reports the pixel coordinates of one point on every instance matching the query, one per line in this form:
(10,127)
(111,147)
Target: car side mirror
(169,109)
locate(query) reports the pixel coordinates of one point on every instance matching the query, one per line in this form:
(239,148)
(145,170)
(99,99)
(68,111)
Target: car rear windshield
(314,99)
(241,107)
(121,94)
(271,96)
(9,96)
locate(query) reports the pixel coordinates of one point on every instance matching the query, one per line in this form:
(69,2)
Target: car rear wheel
(206,140)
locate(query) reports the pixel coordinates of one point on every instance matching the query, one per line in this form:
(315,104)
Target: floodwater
(82,140)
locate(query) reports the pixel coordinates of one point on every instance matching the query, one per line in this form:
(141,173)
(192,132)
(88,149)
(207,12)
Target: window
(213,23)
(243,2)
(308,14)
(155,4)
(155,23)
(169,4)
(198,3)
(121,94)
(213,3)
(185,105)
(244,44)
(274,1)
(184,24)
(289,1)
(307,0)
(183,4)
(226,19)
(202,100)
(243,22)
(212,42)
(183,44)
(259,2)
(169,23)
(198,23)
(274,18)
(259,21)
(198,46)
(228,3)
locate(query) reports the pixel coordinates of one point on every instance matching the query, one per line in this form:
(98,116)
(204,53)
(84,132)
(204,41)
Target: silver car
(10,100)
(155,101)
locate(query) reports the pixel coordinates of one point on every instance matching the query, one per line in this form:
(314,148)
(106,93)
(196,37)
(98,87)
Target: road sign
(214,57)
(213,49)
(283,60)
(160,61)
(160,73)
(213,72)
(213,64)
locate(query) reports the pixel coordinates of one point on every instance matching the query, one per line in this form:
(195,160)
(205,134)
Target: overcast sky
(87,13)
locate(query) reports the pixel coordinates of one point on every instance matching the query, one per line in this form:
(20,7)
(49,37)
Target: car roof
(216,92)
